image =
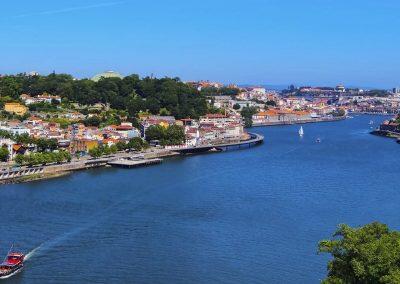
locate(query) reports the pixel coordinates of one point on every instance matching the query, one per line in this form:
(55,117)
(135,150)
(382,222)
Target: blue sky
(317,42)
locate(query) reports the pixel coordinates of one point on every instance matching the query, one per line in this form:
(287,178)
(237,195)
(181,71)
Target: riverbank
(372,113)
(386,134)
(26,174)
(305,121)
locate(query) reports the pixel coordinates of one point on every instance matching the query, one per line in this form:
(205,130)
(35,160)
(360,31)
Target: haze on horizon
(273,42)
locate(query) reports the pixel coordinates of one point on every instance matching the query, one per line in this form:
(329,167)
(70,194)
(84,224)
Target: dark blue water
(247,216)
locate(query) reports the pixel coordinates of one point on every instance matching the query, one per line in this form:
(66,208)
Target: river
(247,216)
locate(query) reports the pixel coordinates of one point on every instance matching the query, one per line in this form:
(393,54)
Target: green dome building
(107,74)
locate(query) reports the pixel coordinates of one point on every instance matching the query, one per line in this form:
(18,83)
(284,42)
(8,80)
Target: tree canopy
(131,93)
(172,135)
(247,114)
(4,154)
(369,254)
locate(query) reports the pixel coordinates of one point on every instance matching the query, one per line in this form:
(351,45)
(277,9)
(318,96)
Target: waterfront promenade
(128,159)
(303,121)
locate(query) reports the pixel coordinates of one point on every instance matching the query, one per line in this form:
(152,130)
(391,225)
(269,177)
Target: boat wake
(97,218)
(32,253)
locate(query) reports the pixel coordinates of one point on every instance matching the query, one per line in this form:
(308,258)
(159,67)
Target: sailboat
(301,131)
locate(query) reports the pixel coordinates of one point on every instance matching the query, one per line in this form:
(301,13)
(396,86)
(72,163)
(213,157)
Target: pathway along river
(248,216)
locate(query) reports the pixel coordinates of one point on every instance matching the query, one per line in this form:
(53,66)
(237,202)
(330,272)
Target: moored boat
(301,131)
(13,263)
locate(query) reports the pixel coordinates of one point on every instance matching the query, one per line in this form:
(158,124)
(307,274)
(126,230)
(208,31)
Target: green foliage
(172,135)
(131,93)
(96,152)
(10,86)
(46,144)
(6,134)
(103,150)
(369,254)
(136,144)
(377,93)
(155,132)
(35,159)
(43,107)
(224,91)
(270,103)
(236,106)
(19,159)
(42,144)
(64,122)
(92,121)
(339,112)
(4,154)
(247,114)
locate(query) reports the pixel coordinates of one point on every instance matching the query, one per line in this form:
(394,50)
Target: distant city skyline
(257,42)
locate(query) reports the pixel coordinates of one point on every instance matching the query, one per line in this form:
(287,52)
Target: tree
(236,106)
(132,93)
(368,254)
(4,153)
(174,135)
(153,105)
(270,103)
(135,143)
(92,121)
(155,132)
(95,152)
(247,114)
(20,159)
(120,146)
(46,144)
(339,112)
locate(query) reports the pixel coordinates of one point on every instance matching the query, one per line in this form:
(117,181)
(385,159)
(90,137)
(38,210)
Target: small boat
(371,122)
(12,264)
(301,131)
(318,140)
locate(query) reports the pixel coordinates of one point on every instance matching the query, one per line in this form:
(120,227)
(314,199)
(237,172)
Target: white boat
(301,131)
(371,122)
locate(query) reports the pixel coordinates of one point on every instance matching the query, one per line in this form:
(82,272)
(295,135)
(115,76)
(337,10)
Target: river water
(248,216)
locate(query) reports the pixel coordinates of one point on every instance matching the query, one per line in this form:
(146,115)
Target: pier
(127,163)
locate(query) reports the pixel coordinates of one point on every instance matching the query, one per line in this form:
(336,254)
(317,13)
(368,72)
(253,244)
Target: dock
(129,163)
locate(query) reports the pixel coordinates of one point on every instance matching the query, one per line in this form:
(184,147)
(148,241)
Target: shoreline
(294,122)
(386,134)
(373,113)
(35,177)
(28,174)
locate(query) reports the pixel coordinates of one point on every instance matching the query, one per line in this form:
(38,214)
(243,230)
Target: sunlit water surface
(247,216)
